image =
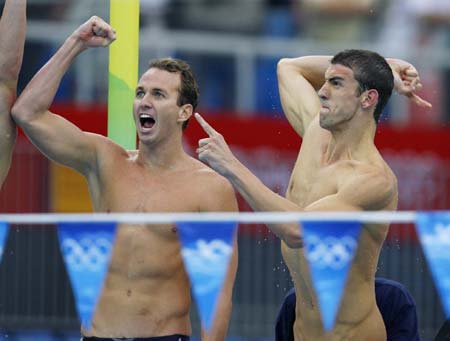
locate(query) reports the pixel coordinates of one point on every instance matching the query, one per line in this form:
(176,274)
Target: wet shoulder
(377,170)
(212,191)
(204,172)
(375,181)
(208,179)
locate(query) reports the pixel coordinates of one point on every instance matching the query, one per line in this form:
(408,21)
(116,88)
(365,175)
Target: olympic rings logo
(89,254)
(439,237)
(330,252)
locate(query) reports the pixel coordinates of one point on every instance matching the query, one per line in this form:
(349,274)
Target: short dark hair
(188,92)
(371,71)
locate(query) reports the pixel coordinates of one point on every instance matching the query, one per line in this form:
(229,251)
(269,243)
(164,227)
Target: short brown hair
(189,91)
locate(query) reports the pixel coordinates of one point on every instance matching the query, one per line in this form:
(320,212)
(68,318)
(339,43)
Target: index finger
(205,125)
(420,101)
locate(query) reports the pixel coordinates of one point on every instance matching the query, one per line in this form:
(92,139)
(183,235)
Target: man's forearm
(261,198)
(312,68)
(12,40)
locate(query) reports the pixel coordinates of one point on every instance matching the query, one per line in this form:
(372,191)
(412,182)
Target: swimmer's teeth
(146,120)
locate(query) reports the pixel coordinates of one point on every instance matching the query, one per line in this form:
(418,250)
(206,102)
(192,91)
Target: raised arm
(299,79)
(12,39)
(56,137)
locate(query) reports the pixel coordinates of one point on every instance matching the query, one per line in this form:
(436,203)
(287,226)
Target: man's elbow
(293,238)
(283,64)
(287,67)
(20,113)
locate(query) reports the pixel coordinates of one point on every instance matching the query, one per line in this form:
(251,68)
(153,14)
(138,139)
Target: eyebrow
(154,89)
(159,89)
(335,78)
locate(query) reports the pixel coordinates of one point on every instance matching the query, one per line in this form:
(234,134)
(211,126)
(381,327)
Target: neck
(352,141)
(165,154)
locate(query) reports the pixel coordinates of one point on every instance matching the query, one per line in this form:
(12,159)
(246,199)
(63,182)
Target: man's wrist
(75,43)
(232,170)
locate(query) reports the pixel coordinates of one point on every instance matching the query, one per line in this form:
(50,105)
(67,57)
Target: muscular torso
(147,291)
(313,179)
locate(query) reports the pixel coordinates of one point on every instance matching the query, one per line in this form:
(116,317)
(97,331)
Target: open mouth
(146,121)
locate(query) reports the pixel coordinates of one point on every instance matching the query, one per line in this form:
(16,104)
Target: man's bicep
(298,98)
(62,141)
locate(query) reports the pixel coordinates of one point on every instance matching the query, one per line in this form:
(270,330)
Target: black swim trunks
(156,338)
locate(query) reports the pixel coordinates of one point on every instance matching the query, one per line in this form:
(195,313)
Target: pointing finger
(421,102)
(205,125)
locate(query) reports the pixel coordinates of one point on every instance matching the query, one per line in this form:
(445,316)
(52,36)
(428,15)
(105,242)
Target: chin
(148,140)
(324,123)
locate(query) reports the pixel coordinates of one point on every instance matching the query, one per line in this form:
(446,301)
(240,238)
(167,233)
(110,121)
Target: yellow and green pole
(123,72)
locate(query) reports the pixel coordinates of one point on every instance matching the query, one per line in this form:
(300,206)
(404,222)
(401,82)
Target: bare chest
(311,181)
(132,189)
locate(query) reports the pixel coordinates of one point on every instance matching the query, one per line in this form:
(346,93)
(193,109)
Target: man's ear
(369,98)
(185,112)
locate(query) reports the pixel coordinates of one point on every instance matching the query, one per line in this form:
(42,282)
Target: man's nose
(146,101)
(323,94)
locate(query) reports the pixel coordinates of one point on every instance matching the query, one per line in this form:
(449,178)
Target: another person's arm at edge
(12,40)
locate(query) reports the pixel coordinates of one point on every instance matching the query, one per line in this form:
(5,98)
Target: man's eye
(335,83)
(139,93)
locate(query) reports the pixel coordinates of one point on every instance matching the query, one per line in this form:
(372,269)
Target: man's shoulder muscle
(371,187)
(216,192)
(212,181)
